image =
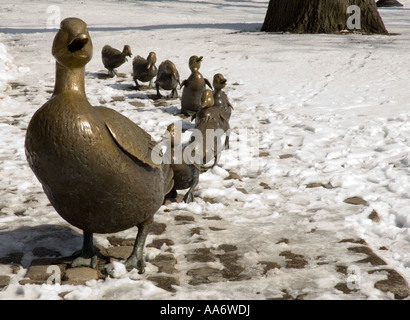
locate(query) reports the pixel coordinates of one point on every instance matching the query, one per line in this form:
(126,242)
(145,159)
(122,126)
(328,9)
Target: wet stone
(138,104)
(213,218)
(184,219)
(116,241)
(264,154)
(394,283)
(119,252)
(40,272)
(201,255)
(295,261)
(165,263)
(195,231)
(269,265)
(216,229)
(287,296)
(342,286)
(117,98)
(374,216)
(355,201)
(158,243)
(227,247)
(4,281)
(314,185)
(285,156)
(283,240)
(165,282)
(79,275)
(233,175)
(204,275)
(352,240)
(157,228)
(265,186)
(372,258)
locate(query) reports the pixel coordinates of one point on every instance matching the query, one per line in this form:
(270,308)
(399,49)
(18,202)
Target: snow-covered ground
(317,119)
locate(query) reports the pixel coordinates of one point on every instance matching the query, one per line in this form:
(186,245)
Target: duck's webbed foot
(137,85)
(87,257)
(159,95)
(112,73)
(174,93)
(136,259)
(189,196)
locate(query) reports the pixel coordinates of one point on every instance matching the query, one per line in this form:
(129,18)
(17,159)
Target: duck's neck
(69,80)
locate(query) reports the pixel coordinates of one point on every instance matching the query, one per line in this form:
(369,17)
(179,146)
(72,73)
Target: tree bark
(321,16)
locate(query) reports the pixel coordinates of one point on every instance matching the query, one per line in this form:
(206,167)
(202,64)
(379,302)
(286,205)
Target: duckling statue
(220,98)
(186,172)
(212,124)
(193,88)
(113,58)
(94,164)
(167,78)
(144,70)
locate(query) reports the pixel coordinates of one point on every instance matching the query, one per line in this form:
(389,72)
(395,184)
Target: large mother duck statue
(94,164)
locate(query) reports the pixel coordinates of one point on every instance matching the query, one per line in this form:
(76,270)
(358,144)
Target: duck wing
(132,139)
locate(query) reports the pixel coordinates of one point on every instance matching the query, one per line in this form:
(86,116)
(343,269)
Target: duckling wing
(134,140)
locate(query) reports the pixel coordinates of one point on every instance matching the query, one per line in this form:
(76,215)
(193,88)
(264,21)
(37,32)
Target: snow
(337,105)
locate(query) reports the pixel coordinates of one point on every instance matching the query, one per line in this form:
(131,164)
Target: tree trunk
(323,16)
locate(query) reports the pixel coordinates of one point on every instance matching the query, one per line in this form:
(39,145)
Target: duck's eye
(77,44)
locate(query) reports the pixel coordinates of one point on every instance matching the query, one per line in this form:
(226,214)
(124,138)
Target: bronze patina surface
(193,88)
(186,171)
(144,70)
(113,58)
(167,78)
(212,124)
(94,164)
(220,98)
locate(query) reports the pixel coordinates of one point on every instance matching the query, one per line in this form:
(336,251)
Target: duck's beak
(78,42)
(200,59)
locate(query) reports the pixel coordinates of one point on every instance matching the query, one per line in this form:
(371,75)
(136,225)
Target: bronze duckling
(167,78)
(212,124)
(220,98)
(113,58)
(193,88)
(186,171)
(144,70)
(94,164)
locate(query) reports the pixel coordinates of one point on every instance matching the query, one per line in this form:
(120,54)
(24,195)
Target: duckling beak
(199,59)
(78,42)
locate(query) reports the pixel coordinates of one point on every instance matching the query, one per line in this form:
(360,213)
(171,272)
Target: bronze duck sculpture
(193,88)
(220,98)
(167,78)
(186,171)
(113,58)
(144,70)
(94,164)
(212,124)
